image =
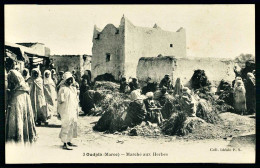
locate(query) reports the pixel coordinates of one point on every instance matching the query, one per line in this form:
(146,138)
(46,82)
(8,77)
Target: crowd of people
(33,99)
(150,99)
(244,89)
(147,102)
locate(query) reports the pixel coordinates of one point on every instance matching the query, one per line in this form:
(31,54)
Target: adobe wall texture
(67,63)
(156,68)
(150,42)
(128,43)
(215,69)
(110,41)
(72,62)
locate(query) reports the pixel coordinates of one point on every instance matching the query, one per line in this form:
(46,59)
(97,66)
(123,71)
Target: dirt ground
(208,144)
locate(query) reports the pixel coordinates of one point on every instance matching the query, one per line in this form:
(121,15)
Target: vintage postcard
(130,84)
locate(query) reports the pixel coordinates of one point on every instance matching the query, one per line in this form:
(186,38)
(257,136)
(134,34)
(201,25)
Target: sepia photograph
(129,83)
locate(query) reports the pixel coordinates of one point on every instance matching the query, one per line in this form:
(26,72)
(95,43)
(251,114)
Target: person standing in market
(240,97)
(38,98)
(59,79)
(178,87)
(26,74)
(250,93)
(50,93)
(68,110)
(20,124)
(54,76)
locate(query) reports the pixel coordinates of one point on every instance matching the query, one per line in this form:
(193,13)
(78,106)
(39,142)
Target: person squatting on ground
(162,96)
(153,109)
(136,112)
(68,110)
(20,125)
(123,85)
(150,86)
(166,82)
(38,97)
(188,102)
(133,84)
(88,101)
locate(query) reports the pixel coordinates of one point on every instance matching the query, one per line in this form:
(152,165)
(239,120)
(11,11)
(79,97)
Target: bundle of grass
(225,99)
(207,112)
(174,126)
(191,124)
(221,106)
(106,85)
(105,77)
(113,118)
(199,80)
(103,99)
(104,122)
(204,93)
(147,129)
(180,124)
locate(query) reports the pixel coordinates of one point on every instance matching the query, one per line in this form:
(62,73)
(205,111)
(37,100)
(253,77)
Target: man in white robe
(68,110)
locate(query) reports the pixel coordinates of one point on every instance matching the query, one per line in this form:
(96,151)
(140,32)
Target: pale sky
(211,30)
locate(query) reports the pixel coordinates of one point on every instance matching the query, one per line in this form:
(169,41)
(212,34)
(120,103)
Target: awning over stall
(15,52)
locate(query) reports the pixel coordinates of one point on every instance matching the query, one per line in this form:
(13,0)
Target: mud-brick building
(77,63)
(216,69)
(116,50)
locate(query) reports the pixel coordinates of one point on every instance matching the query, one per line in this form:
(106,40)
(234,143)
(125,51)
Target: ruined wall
(67,63)
(155,68)
(215,69)
(109,41)
(150,42)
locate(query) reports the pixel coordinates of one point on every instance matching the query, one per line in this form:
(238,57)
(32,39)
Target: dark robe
(136,113)
(250,96)
(133,86)
(88,101)
(165,83)
(150,87)
(86,77)
(123,87)
(83,89)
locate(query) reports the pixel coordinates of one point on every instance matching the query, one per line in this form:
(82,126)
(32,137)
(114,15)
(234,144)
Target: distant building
(77,63)
(117,50)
